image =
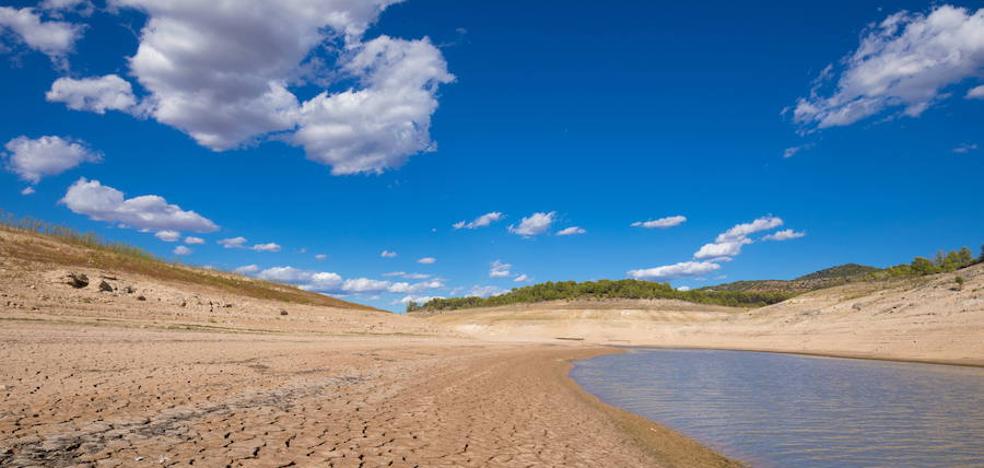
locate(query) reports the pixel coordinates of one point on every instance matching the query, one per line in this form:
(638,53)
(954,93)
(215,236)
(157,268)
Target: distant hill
(829,277)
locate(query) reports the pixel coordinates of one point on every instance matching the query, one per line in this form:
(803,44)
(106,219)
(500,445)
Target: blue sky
(380,130)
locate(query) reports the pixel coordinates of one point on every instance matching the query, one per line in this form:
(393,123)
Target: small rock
(141,298)
(105,287)
(856,306)
(283,312)
(129,290)
(227,306)
(184,303)
(78,280)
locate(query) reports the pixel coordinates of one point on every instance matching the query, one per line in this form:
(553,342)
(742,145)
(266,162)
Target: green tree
(923,266)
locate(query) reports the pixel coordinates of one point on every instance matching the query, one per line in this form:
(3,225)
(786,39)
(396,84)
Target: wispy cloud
(677,270)
(661,223)
(479,222)
(571,231)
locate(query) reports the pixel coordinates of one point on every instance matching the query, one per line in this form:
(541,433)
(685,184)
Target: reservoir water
(769,409)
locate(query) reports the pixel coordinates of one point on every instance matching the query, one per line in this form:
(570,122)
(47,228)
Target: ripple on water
(788,410)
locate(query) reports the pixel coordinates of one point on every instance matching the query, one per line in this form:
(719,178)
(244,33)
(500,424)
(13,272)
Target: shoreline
(667,446)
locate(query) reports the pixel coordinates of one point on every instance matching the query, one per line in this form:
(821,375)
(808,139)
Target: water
(788,410)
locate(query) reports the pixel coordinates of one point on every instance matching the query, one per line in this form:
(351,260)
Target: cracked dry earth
(102,396)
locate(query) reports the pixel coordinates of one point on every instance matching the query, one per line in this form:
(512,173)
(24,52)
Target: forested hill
(604,289)
(737,294)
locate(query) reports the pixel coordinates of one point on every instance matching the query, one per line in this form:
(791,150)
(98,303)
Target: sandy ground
(193,376)
(927,319)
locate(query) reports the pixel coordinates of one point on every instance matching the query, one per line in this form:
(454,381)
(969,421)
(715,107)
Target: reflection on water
(788,410)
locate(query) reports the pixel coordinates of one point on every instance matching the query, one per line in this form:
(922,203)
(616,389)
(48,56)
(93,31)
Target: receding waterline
(770,409)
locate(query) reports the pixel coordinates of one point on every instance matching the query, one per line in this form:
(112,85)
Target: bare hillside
(929,319)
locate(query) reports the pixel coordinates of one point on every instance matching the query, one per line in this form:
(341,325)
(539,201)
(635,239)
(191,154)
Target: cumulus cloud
(58,8)
(905,63)
(677,270)
(333,283)
(479,291)
(268,247)
(247,269)
(976,92)
(785,234)
(534,224)
(571,231)
(109,92)
(743,230)
(233,242)
(147,212)
(381,125)
(500,269)
(720,250)
(241,243)
(181,250)
(168,236)
(224,74)
(33,159)
(479,222)
(729,243)
(661,223)
(192,240)
(387,254)
(427,261)
(56,39)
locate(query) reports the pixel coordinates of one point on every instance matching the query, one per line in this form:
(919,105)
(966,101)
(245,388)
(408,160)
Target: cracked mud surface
(125,397)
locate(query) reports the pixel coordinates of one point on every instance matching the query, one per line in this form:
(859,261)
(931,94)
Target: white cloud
(321,257)
(729,243)
(387,254)
(534,224)
(381,125)
(905,62)
(725,249)
(27,191)
(168,235)
(571,231)
(418,299)
(240,243)
(405,275)
(741,231)
(56,39)
(661,223)
(785,234)
(268,247)
(182,250)
(500,269)
(794,150)
(247,269)
(965,148)
(146,212)
(57,7)
(34,159)
(976,92)
(192,240)
(109,92)
(223,74)
(683,288)
(310,280)
(427,261)
(481,221)
(677,270)
(233,243)
(521,278)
